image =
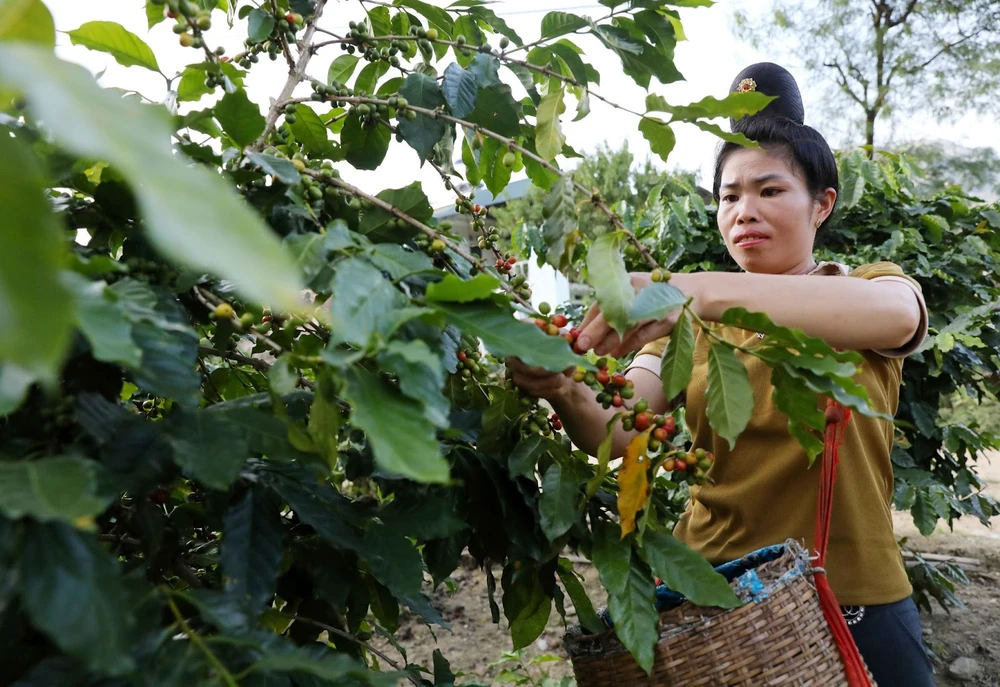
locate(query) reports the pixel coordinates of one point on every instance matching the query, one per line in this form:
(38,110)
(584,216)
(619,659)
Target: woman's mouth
(749,239)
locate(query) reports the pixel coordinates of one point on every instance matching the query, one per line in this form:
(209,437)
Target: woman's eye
(771,192)
(729,199)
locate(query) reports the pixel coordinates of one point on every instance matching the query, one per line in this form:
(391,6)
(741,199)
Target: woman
(772,202)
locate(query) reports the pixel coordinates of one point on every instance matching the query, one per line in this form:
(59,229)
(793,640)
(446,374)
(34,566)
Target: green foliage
(209,478)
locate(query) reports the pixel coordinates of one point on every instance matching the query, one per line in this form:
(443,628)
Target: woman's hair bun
(774,80)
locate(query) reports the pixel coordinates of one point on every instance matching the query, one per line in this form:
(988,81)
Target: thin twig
(511,145)
(346,635)
(434,235)
(223,672)
(256,363)
(210,301)
(295,76)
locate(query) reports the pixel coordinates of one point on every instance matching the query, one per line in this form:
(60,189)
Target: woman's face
(767,216)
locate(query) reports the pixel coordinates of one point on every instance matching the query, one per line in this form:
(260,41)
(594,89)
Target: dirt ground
(970,633)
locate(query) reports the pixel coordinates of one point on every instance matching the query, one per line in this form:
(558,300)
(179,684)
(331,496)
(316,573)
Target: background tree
(941,57)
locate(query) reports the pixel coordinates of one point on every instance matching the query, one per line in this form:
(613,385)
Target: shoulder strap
(837,417)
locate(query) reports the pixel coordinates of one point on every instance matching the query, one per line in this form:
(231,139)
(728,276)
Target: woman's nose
(746,212)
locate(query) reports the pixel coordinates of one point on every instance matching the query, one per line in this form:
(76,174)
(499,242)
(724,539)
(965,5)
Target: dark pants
(891,642)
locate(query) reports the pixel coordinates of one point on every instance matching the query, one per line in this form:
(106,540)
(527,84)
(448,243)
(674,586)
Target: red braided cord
(837,418)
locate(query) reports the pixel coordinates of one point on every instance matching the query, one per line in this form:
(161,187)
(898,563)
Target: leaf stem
(223,672)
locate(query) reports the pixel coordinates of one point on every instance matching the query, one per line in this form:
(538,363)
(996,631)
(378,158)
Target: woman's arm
(848,313)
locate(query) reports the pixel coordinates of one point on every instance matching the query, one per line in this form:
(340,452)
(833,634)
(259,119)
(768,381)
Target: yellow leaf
(633,482)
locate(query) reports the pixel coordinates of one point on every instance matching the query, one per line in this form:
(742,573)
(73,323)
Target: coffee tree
(252,410)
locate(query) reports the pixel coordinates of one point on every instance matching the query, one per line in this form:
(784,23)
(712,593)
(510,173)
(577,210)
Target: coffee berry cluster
(535,419)
(360,40)
(552,324)
(693,464)
(285,26)
(471,365)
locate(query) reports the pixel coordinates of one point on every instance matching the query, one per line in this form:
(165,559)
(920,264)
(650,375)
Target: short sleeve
(648,357)
(887,271)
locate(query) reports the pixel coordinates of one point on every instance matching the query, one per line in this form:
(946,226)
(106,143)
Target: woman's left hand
(596,333)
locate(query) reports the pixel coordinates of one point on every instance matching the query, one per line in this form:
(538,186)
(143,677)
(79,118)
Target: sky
(709,60)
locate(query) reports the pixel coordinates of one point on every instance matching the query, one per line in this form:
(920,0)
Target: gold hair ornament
(746,85)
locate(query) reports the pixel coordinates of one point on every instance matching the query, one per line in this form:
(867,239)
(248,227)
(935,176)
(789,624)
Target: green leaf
(169,356)
(362,301)
(154,14)
(421,377)
(631,592)
(35,309)
(411,449)
(560,226)
(557,503)
(309,130)
(102,320)
(28,21)
(240,118)
(505,336)
(283,168)
(330,668)
(454,289)
(341,69)
(567,51)
(398,261)
(734,105)
(423,132)
(107,36)
(678,358)
(369,76)
(727,136)
(14,385)
(325,420)
(525,604)
(686,571)
(524,457)
(560,23)
(192,85)
(806,421)
(496,175)
(260,25)
(435,15)
(428,513)
(471,163)
(210,447)
(486,69)
(730,396)
(72,591)
(212,229)
(655,302)
(460,90)
(364,147)
(578,595)
(54,488)
(497,111)
(381,225)
(549,138)
(607,274)
(660,136)
(393,559)
(251,548)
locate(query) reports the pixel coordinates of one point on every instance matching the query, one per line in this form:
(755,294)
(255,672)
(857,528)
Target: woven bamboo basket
(781,638)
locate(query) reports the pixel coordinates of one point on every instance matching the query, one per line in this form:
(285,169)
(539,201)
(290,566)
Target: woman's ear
(825,205)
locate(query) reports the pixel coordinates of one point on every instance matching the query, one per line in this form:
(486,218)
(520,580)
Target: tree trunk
(870,116)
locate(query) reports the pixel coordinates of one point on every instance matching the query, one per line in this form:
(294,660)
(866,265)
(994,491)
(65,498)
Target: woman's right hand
(539,382)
